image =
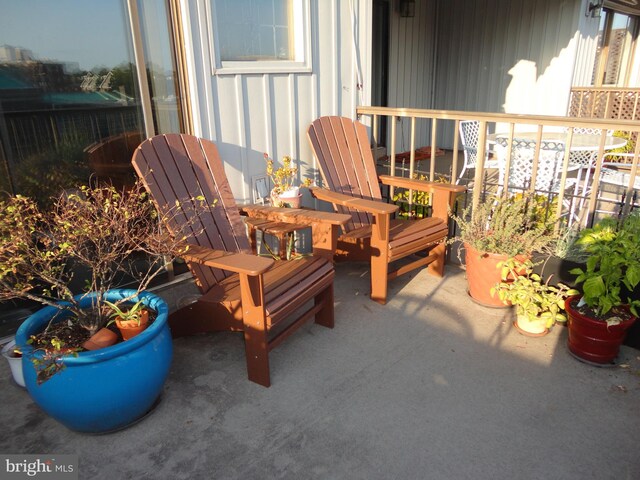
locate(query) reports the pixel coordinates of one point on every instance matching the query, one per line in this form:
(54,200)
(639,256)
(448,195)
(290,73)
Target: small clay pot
(131,328)
(101,339)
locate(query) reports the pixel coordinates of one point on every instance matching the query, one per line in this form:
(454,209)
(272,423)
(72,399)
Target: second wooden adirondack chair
(348,169)
(242,292)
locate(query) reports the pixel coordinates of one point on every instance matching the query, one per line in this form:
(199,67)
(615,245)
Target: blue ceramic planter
(106,389)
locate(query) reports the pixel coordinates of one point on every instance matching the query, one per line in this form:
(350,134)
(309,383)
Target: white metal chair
(469,135)
(614,182)
(548,173)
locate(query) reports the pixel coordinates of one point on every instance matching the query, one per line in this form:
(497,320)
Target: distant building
(9,53)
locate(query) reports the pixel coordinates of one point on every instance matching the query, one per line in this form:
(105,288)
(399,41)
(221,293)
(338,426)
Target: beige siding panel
(505,56)
(249,114)
(587,46)
(411,54)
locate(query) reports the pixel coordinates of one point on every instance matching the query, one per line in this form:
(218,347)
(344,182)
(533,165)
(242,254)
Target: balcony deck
(429,386)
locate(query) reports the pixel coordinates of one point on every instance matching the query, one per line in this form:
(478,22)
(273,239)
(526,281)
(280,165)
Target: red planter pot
(592,340)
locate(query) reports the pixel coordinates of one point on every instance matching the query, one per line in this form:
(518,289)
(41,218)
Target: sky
(90,32)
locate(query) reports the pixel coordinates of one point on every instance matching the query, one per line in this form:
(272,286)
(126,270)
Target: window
(260,35)
(615,46)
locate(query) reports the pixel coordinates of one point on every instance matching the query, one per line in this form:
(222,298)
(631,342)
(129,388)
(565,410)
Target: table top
(580,141)
(301,216)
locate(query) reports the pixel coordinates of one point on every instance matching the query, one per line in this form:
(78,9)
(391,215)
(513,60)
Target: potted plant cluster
(499,229)
(284,192)
(601,316)
(539,305)
(108,237)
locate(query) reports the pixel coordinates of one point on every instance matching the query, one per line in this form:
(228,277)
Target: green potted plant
(99,237)
(601,316)
(130,319)
(539,305)
(284,191)
(498,229)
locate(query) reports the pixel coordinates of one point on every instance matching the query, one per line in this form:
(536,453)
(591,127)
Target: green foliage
(529,294)
(629,147)
(419,206)
(508,226)
(100,229)
(613,261)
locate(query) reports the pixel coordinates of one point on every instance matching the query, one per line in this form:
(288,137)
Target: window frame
(234,67)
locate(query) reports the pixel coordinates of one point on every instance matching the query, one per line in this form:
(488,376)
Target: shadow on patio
(429,386)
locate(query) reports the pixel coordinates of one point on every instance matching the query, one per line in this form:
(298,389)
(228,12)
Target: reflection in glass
(161,70)
(70,110)
(69,106)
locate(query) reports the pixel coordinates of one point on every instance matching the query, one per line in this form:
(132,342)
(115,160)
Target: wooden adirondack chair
(241,291)
(346,163)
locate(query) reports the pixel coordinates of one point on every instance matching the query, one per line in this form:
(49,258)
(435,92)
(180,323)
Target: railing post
(479,173)
(456,144)
(563,181)
(596,180)
(392,161)
(432,163)
(412,158)
(628,198)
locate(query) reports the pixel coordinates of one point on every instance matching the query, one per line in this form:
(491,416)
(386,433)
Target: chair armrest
(421,185)
(375,207)
(241,263)
(294,215)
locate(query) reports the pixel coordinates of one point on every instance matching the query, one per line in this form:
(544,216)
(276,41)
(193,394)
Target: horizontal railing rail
(510,125)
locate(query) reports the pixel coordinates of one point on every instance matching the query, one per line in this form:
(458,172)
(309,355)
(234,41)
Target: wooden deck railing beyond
(605,103)
(501,122)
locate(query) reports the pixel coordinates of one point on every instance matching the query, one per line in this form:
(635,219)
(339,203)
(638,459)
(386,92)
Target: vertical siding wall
(411,69)
(512,56)
(249,114)
(586,49)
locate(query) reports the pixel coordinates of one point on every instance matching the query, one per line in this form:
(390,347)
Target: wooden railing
(605,103)
(510,125)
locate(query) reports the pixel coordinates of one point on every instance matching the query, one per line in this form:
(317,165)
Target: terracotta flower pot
(131,328)
(101,339)
(482,274)
(291,201)
(593,340)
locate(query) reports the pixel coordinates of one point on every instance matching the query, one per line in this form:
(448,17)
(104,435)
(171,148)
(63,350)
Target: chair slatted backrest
(341,147)
(178,170)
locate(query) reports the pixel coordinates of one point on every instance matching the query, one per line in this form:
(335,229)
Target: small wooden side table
(281,230)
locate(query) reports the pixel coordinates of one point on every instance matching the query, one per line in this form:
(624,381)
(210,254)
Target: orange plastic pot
(483,274)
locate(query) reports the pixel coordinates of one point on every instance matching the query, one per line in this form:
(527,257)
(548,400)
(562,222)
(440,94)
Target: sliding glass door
(72,109)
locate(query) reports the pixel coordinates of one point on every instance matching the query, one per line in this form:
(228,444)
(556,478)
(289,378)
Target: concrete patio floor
(430,386)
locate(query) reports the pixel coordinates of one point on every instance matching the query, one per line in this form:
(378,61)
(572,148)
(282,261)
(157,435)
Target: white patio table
(581,142)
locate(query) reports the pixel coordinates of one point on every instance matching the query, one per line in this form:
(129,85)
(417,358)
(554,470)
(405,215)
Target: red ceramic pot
(593,340)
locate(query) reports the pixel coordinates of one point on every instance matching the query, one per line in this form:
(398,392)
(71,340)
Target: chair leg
(252,240)
(325,316)
(257,354)
(379,280)
(437,266)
